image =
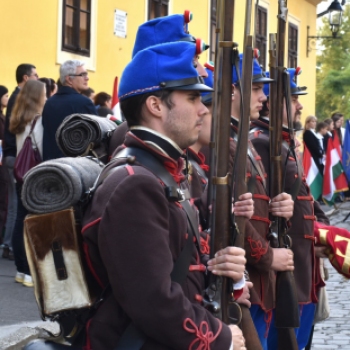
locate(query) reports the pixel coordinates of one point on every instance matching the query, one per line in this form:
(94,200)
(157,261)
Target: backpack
(50,274)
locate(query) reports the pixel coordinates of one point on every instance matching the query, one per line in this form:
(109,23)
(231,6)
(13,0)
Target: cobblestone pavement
(334,333)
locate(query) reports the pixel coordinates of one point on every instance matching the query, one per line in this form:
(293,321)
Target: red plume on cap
(256,53)
(188,16)
(209,65)
(298,71)
(200,46)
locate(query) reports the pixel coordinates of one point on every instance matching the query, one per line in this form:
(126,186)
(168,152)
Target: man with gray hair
(68,99)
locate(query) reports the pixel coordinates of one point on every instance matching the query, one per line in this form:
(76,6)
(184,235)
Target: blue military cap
(207,97)
(165,66)
(259,75)
(166,29)
(294,89)
(266,87)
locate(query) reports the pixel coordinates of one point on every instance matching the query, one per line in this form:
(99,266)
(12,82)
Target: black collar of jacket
(261,123)
(63,90)
(165,144)
(234,126)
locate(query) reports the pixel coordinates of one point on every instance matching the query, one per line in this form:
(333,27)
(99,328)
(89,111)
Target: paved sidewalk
(17,303)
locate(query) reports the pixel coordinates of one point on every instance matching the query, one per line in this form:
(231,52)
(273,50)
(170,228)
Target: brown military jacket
(197,173)
(258,251)
(302,223)
(132,236)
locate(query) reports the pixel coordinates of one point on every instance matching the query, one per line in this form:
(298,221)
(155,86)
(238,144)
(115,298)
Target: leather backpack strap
(199,170)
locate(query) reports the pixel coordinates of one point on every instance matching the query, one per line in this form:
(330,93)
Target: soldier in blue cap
(158,31)
(166,30)
(198,181)
(198,169)
(260,256)
(262,260)
(135,229)
(306,210)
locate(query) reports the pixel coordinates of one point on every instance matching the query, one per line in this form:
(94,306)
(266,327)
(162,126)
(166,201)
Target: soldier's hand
(228,262)
(244,206)
(320,251)
(244,298)
(238,340)
(282,259)
(282,206)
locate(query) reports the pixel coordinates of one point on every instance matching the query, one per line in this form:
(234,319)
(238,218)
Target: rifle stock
(218,294)
(239,176)
(287,310)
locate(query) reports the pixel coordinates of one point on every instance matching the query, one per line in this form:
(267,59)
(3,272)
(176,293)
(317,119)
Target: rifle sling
(132,338)
(199,170)
(294,190)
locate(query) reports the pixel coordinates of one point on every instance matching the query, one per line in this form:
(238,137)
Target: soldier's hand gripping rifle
(287,310)
(219,294)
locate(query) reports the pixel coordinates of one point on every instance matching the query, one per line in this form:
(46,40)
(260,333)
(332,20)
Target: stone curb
(20,337)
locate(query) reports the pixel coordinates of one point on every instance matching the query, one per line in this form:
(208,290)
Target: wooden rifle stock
(218,294)
(287,310)
(239,178)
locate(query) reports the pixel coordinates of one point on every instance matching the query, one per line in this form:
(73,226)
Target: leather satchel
(53,252)
(28,157)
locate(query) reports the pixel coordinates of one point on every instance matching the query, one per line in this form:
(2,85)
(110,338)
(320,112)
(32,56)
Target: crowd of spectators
(42,103)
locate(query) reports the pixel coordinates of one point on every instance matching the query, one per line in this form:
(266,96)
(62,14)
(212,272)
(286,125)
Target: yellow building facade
(34,35)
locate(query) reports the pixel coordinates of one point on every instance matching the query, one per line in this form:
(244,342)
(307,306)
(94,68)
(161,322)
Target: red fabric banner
(337,241)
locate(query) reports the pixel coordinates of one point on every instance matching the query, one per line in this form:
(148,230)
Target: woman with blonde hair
(314,142)
(26,111)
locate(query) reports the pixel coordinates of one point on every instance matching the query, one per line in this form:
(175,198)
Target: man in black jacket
(66,101)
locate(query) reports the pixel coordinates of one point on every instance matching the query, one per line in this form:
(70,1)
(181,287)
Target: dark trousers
(17,237)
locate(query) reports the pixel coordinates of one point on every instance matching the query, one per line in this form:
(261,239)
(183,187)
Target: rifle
(287,310)
(239,178)
(218,296)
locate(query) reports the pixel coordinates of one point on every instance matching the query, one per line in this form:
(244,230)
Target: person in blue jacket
(66,101)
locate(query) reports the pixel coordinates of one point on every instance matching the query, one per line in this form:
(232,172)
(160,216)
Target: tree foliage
(333,70)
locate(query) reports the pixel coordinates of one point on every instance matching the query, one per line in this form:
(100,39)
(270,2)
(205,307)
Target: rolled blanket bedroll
(59,184)
(81,134)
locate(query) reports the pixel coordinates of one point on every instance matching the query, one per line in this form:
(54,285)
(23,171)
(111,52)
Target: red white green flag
(334,179)
(313,177)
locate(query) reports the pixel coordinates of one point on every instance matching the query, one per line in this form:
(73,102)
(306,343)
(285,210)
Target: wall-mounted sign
(120,23)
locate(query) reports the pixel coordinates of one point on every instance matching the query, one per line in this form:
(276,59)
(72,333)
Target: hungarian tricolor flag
(312,174)
(334,179)
(336,143)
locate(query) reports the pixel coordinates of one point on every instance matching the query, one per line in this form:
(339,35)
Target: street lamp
(335,13)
